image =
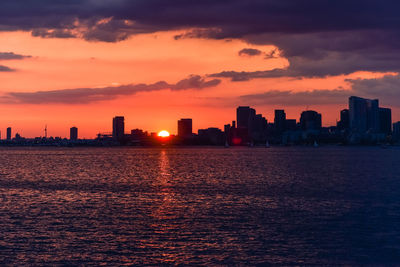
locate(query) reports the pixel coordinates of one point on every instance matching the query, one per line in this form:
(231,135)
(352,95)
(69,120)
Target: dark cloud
(194,82)
(11,56)
(250,52)
(385,89)
(5,69)
(318,37)
(89,95)
(232,18)
(291,98)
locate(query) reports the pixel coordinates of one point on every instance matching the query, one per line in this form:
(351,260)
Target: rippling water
(209,206)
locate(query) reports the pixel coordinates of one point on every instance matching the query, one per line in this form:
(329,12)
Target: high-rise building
(310,120)
(364,114)
(280,120)
(396,130)
(245,117)
(344,122)
(185,128)
(9,133)
(385,120)
(73,134)
(119,128)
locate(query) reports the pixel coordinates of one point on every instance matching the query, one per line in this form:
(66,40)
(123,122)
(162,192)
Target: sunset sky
(79,63)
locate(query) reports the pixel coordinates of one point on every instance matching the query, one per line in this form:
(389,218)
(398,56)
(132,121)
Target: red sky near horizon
(57,64)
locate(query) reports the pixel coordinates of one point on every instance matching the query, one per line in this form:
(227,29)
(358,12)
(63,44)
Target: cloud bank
(385,89)
(318,37)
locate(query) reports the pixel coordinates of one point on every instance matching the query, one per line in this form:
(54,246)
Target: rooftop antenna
(45,131)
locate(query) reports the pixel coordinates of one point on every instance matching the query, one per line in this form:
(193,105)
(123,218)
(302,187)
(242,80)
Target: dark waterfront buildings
(9,133)
(245,116)
(364,114)
(344,122)
(185,128)
(73,134)
(385,120)
(363,123)
(118,128)
(310,120)
(396,131)
(280,121)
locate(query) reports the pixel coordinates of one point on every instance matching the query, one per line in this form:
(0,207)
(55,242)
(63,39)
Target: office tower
(227,131)
(280,120)
(244,117)
(9,133)
(73,134)
(118,128)
(396,130)
(364,114)
(344,122)
(385,120)
(310,120)
(185,128)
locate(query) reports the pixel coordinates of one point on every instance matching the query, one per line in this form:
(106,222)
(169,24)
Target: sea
(207,206)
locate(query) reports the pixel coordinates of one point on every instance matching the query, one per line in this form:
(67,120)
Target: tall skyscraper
(245,116)
(73,134)
(310,120)
(364,114)
(385,120)
(280,120)
(119,128)
(396,131)
(185,128)
(344,122)
(9,133)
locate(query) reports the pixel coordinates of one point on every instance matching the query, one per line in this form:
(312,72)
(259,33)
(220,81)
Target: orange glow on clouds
(74,63)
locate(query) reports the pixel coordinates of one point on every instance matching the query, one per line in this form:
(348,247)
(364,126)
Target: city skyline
(81,62)
(362,116)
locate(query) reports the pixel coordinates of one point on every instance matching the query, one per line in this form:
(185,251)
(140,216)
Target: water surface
(208,206)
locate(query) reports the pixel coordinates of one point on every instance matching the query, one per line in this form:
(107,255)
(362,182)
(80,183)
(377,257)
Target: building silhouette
(185,128)
(118,128)
(290,125)
(211,136)
(73,134)
(244,116)
(385,120)
(9,133)
(396,131)
(344,122)
(364,114)
(280,121)
(310,120)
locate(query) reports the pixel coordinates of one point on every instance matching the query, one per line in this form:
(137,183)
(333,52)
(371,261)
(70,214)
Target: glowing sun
(163,134)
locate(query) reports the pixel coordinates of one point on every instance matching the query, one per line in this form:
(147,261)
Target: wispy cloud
(90,95)
(11,56)
(5,69)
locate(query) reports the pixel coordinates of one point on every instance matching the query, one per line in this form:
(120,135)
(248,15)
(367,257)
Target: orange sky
(148,58)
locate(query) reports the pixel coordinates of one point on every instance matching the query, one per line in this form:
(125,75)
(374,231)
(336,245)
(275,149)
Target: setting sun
(163,134)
